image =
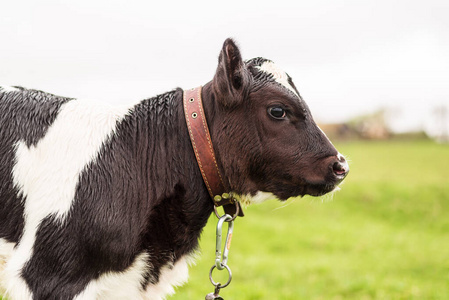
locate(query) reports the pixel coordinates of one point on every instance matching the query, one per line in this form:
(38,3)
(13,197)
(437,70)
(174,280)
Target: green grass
(385,235)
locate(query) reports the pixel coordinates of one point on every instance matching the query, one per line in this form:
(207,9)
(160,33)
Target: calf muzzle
(340,168)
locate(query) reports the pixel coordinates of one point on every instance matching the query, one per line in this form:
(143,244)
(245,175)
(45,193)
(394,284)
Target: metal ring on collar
(237,211)
(217,284)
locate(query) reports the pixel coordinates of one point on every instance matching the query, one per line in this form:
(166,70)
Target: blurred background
(376,77)
(348,58)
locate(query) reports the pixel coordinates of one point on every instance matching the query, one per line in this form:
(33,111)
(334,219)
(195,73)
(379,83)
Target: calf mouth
(337,172)
(317,185)
(322,180)
(283,191)
(317,190)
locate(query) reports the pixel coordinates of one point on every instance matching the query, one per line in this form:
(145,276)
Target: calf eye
(277,112)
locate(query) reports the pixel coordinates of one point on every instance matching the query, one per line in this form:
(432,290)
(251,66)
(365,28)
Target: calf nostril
(340,168)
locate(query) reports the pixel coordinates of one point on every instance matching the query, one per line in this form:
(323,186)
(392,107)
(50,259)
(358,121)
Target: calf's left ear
(231,81)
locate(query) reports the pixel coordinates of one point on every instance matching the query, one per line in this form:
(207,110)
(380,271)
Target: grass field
(385,235)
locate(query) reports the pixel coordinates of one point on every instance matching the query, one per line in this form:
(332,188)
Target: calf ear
(231,81)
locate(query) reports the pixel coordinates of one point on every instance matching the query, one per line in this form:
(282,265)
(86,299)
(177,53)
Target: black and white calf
(100,202)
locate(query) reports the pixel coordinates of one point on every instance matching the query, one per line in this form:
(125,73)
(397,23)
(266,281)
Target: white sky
(346,57)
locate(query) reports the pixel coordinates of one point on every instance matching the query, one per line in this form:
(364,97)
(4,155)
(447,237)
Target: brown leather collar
(204,152)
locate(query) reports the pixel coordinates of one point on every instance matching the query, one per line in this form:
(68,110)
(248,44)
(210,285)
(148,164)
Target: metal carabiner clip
(221,260)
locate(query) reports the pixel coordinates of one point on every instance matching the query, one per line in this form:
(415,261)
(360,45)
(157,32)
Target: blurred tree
(442,122)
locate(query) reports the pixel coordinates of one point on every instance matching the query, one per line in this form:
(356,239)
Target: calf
(100,202)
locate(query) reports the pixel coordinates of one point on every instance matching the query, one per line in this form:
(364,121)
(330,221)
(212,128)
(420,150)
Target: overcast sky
(346,57)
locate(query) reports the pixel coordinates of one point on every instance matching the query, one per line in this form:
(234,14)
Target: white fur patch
(7,89)
(171,276)
(47,174)
(119,285)
(6,250)
(259,197)
(279,75)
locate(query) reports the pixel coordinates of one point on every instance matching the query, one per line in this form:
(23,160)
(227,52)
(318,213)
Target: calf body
(90,191)
(100,202)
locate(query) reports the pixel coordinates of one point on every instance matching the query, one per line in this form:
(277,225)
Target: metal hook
(221,260)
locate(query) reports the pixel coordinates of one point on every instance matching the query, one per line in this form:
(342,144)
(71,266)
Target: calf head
(266,140)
